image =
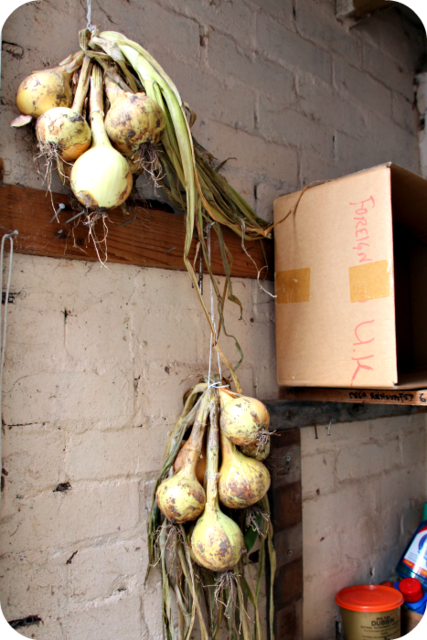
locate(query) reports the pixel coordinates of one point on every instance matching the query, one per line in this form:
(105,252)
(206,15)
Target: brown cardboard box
(351,282)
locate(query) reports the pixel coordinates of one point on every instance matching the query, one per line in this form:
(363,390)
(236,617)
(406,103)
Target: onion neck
(82,86)
(213,455)
(113,91)
(228,449)
(195,442)
(96,103)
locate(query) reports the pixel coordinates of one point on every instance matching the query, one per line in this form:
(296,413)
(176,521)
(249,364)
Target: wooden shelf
(411,397)
(145,237)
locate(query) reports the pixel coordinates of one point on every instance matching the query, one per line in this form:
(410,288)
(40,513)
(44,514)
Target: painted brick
(322,103)
(288,48)
(288,126)
(222,99)
(118,617)
(317,22)
(388,71)
(227,59)
(255,154)
(86,511)
(96,573)
(125,453)
(282,11)
(222,17)
(37,449)
(404,112)
(69,395)
(318,474)
(361,88)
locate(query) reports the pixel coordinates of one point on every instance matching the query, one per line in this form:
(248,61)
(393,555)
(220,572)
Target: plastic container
(413,563)
(370,612)
(415,598)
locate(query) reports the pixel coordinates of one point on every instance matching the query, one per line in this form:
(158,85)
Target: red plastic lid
(387,583)
(411,589)
(369,598)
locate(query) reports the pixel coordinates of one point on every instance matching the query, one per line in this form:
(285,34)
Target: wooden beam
(412,397)
(146,237)
(286,511)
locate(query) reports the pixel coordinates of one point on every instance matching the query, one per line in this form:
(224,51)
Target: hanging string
(8,236)
(89,15)
(212,314)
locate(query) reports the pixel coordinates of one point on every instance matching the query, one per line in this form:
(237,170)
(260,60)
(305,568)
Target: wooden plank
(413,397)
(146,237)
(286,511)
(288,415)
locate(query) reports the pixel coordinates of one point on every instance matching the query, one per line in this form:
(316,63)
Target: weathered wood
(286,512)
(146,237)
(287,415)
(408,397)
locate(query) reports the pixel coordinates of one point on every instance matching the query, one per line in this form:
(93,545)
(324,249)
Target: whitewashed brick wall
(290,95)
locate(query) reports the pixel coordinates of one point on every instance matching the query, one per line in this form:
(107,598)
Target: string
(212,314)
(7,236)
(89,15)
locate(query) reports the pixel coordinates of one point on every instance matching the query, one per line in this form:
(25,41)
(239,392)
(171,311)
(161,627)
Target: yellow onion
(243,481)
(242,418)
(101,177)
(181,498)
(64,171)
(64,128)
(135,164)
(182,457)
(48,88)
(258,449)
(217,541)
(133,119)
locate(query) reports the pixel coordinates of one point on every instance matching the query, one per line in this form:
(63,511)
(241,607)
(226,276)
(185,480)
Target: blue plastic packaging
(413,563)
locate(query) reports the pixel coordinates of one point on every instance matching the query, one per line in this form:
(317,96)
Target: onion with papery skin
(243,481)
(64,128)
(259,449)
(101,177)
(182,457)
(181,498)
(48,88)
(242,418)
(133,119)
(217,541)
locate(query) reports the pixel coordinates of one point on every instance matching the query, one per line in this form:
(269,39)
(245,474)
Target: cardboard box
(409,620)
(351,282)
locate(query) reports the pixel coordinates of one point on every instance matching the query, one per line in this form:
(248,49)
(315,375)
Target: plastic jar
(370,612)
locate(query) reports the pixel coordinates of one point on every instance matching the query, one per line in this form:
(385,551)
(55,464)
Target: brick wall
(290,95)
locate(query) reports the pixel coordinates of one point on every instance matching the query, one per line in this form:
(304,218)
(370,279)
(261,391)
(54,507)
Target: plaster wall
(98,359)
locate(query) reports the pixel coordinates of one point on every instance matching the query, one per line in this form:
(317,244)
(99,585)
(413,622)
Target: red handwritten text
(361,232)
(362,352)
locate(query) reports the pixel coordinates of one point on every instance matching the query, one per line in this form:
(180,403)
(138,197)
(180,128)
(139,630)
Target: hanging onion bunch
(212,546)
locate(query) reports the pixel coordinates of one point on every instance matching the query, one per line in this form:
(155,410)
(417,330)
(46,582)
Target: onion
(258,449)
(65,129)
(64,171)
(242,418)
(48,88)
(243,481)
(100,177)
(133,119)
(181,498)
(217,541)
(182,457)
